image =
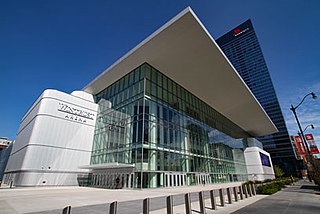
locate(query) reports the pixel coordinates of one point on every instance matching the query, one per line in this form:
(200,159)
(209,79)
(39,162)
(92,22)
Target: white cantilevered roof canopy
(184,51)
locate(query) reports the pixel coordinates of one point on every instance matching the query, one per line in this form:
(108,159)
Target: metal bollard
(169,205)
(229,195)
(253,188)
(187,203)
(235,193)
(221,197)
(66,210)
(201,203)
(213,200)
(146,206)
(249,190)
(241,192)
(245,191)
(113,208)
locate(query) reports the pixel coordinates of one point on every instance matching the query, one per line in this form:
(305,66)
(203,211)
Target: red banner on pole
(312,144)
(300,148)
(300,145)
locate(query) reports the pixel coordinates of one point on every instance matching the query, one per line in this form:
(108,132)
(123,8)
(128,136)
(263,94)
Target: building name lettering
(237,31)
(75,114)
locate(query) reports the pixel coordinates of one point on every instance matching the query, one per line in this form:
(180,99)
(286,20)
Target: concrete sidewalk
(303,197)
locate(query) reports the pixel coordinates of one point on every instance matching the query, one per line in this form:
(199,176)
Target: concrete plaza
(303,197)
(93,200)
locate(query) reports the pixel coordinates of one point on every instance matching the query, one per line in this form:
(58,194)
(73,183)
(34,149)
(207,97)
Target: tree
(278,171)
(313,168)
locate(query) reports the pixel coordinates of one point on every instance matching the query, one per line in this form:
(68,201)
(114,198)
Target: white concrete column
(152,166)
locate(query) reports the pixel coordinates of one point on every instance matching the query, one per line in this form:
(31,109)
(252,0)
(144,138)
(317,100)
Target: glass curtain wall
(169,135)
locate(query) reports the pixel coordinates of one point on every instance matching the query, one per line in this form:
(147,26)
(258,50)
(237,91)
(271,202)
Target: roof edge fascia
(234,69)
(159,30)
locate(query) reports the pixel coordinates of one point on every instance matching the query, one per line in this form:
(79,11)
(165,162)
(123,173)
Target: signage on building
(265,161)
(238,31)
(75,113)
(312,144)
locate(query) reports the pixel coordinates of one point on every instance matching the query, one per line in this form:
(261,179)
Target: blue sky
(65,44)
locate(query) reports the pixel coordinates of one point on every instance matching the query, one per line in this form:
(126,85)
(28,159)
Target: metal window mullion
(142,137)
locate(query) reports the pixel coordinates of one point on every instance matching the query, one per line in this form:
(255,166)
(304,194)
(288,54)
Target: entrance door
(112,180)
(173,179)
(203,179)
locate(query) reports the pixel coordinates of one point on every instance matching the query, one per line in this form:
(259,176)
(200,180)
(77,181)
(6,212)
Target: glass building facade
(242,48)
(165,133)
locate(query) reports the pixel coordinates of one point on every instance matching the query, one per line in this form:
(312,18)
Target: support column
(152,166)
(161,180)
(129,180)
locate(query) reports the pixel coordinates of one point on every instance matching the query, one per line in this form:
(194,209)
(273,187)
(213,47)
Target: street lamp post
(312,127)
(293,109)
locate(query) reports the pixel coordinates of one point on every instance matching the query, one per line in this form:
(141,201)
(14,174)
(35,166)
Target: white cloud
(308,112)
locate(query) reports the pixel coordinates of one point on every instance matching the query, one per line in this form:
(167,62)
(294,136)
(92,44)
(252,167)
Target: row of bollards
(240,192)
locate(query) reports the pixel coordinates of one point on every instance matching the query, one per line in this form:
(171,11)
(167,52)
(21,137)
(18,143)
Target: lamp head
(312,126)
(314,96)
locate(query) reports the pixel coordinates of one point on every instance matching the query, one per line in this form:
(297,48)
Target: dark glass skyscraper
(242,48)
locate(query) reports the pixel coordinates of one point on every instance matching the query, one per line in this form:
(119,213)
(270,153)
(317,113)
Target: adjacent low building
(5,150)
(171,112)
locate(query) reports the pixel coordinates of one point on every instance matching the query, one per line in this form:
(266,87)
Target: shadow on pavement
(311,187)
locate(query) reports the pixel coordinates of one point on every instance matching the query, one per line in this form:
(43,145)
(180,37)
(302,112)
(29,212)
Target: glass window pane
(165,82)
(169,85)
(159,92)
(174,88)
(143,70)
(136,75)
(153,89)
(141,86)
(154,75)
(131,78)
(148,87)
(148,74)
(121,84)
(126,81)
(159,78)
(165,96)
